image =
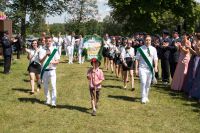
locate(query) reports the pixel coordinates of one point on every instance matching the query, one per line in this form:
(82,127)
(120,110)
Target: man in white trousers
(50,71)
(145,72)
(70,47)
(80,50)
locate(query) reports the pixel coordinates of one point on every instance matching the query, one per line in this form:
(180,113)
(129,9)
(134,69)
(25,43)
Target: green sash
(48,62)
(148,63)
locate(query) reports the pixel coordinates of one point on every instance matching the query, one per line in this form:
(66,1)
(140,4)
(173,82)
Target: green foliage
(85,28)
(56,28)
(153,15)
(36,10)
(81,11)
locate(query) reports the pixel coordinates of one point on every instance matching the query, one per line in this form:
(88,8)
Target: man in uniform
(174,53)
(49,70)
(145,67)
(165,52)
(7,51)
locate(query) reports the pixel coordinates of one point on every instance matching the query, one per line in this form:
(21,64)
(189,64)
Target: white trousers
(80,61)
(70,50)
(50,75)
(66,50)
(59,50)
(145,82)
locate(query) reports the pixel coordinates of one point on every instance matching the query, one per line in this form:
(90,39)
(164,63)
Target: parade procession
(100,66)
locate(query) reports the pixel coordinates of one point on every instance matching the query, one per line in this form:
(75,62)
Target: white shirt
(107,43)
(153,56)
(112,48)
(43,53)
(128,53)
(60,41)
(35,55)
(71,40)
(57,41)
(80,43)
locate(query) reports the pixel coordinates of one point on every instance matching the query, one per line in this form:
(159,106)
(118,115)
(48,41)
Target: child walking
(95,76)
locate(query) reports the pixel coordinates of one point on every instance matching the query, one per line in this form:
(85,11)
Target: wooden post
(6,25)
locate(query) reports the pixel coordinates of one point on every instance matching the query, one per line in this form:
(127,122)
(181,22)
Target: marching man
(49,58)
(146,58)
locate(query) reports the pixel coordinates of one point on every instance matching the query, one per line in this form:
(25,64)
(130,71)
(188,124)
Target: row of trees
(127,16)
(154,15)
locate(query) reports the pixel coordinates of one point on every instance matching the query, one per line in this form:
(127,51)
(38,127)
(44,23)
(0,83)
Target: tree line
(127,16)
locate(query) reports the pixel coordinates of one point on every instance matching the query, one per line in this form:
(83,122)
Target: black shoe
(39,86)
(133,89)
(6,72)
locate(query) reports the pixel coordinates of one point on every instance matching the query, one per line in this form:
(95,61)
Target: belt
(48,69)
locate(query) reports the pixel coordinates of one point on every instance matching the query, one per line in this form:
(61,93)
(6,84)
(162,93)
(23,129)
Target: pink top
(96,76)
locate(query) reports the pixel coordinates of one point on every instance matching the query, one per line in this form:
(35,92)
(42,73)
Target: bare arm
(136,67)
(43,59)
(156,65)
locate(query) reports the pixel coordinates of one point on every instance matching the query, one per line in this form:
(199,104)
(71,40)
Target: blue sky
(103,8)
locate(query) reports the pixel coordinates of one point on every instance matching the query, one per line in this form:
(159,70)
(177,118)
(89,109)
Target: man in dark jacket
(165,52)
(18,44)
(7,51)
(174,53)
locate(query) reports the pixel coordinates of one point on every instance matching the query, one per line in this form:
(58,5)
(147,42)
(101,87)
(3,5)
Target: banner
(93,45)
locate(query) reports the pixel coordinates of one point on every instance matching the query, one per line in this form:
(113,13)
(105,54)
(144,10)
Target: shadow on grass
(32,100)
(21,90)
(167,90)
(1,62)
(71,107)
(125,98)
(111,86)
(26,74)
(195,105)
(63,61)
(26,80)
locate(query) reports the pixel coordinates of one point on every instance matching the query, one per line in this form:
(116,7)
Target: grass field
(118,111)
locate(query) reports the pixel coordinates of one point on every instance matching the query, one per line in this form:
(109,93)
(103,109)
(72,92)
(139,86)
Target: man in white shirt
(57,42)
(145,72)
(70,47)
(50,71)
(80,50)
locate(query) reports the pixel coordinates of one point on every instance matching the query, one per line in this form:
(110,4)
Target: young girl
(34,65)
(95,77)
(128,64)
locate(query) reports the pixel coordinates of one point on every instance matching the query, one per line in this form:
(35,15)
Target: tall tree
(19,10)
(82,10)
(146,15)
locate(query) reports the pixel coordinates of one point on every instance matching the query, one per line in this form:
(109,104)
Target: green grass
(118,112)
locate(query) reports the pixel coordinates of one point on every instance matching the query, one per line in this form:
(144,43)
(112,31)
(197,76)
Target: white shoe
(143,101)
(53,105)
(147,100)
(165,83)
(47,103)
